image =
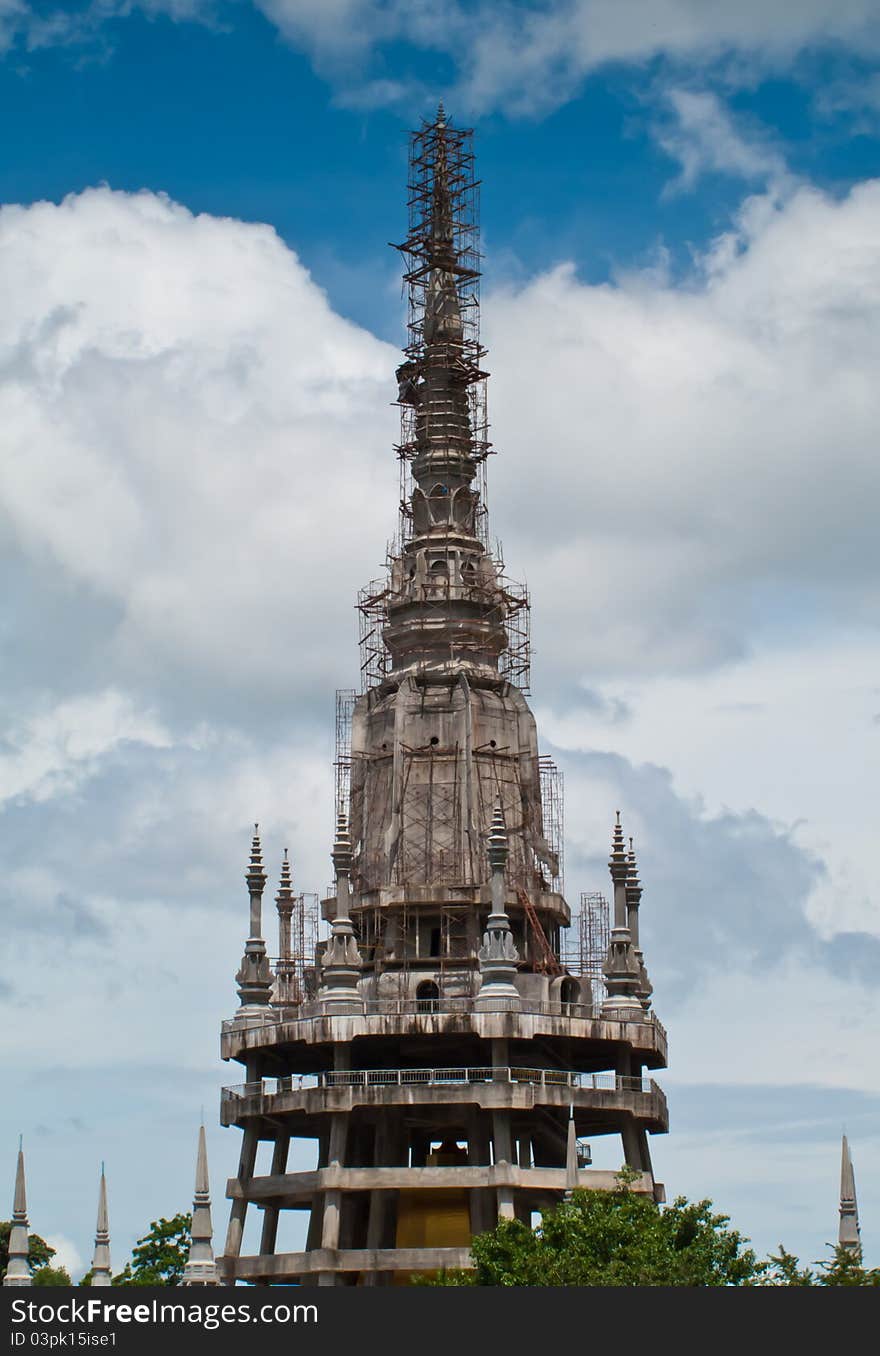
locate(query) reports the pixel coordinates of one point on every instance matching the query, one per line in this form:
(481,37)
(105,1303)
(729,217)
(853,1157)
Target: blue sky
(227,117)
(681,219)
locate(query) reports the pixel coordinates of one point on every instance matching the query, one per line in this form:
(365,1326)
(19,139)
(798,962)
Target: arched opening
(427,996)
(569,991)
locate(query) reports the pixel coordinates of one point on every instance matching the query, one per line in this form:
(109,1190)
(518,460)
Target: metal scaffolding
(345,700)
(511,597)
(552,809)
(587,945)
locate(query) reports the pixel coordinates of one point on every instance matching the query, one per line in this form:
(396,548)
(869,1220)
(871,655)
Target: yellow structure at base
(434,1218)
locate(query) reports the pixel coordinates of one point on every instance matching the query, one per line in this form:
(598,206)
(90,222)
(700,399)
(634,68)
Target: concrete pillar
(270,1213)
(333,1199)
(644,1151)
(481,1201)
(503,1154)
(247,1159)
(632,1149)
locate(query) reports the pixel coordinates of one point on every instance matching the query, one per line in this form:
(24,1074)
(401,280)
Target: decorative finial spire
(644,988)
(18,1271)
(286,985)
(254,977)
(341,961)
(255,875)
(101,1269)
(201,1269)
(441,115)
(342,850)
(622,969)
(498,841)
(848,1234)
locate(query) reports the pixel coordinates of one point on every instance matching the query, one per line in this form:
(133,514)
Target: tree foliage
(39,1252)
(613,1238)
(51,1276)
(843,1268)
(160,1256)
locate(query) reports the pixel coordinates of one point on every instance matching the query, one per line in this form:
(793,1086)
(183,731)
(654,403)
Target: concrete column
(632,1149)
(481,1200)
(420,1144)
(644,1151)
(333,1199)
(270,1213)
(503,1154)
(237,1214)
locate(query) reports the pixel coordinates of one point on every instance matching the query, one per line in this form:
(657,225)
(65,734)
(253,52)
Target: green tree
(160,1256)
(51,1276)
(613,1238)
(844,1268)
(39,1252)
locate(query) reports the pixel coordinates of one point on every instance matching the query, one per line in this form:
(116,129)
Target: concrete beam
(292,1188)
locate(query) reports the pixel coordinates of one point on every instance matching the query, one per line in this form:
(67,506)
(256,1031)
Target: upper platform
(297,1039)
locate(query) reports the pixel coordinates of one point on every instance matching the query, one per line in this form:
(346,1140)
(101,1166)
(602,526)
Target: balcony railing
(372,1078)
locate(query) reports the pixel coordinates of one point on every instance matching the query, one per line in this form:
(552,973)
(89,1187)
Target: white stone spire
(201,1269)
(17,1271)
(101,1269)
(848,1234)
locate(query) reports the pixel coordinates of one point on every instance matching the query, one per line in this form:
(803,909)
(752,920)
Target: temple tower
(445,1048)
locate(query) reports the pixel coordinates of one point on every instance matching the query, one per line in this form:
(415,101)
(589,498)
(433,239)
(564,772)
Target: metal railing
(371,1078)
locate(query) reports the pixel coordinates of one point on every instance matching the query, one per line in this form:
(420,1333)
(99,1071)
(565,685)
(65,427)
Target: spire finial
(18,1271)
(441,114)
(201,1269)
(285,884)
(498,842)
(848,1234)
(254,977)
(101,1268)
(617,862)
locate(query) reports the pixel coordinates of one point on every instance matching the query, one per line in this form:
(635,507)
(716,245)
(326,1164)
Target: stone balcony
(594,1097)
(312,1024)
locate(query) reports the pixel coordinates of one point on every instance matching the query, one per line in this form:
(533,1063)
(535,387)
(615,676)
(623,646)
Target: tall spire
(101,1269)
(621,965)
(254,977)
(201,1269)
(445,608)
(285,976)
(633,902)
(848,1234)
(18,1271)
(341,961)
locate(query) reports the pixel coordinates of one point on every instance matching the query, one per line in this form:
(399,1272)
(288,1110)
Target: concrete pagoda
(441,1049)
